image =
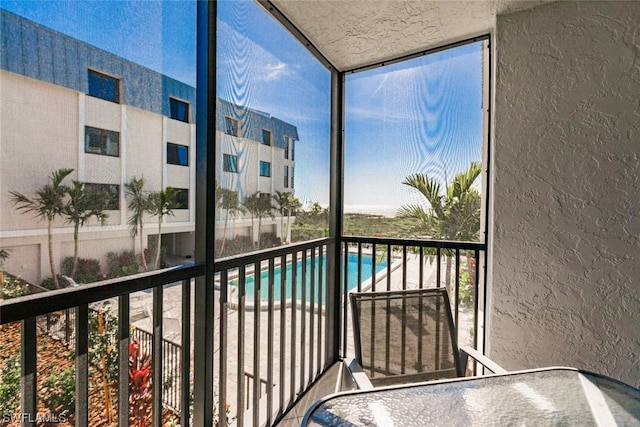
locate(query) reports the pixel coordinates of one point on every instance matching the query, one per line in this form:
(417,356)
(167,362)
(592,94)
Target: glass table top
(548,397)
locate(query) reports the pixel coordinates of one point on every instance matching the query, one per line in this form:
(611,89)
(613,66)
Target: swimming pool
(352,266)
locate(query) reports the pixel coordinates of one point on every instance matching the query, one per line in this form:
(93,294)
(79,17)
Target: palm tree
(227,199)
(160,204)
(219,195)
(286,201)
(251,204)
(265,209)
(81,206)
(453,214)
(47,205)
(137,205)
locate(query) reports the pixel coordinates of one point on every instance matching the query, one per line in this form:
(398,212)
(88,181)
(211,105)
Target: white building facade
(66,104)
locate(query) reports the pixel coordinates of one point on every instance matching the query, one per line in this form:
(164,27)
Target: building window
(104,87)
(286,177)
(230,163)
(108,195)
(266,137)
(179,110)
(293,149)
(232,126)
(101,141)
(181,198)
(287,141)
(292,177)
(177,154)
(265,169)
(265,196)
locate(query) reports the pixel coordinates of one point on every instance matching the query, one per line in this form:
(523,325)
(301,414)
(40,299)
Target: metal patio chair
(407,336)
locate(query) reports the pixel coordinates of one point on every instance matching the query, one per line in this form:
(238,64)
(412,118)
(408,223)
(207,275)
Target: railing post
(67,327)
(223,350)
(242,401)
(283,320)
(333,303)
(185,355)
(82,365)
(123,359)
(203,330)
(29,383)
(270,315)
(157,355)
(257,307)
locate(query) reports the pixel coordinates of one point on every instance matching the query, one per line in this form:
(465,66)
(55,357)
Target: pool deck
(141,312)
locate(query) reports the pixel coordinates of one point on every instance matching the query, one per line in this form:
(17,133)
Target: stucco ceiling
(354,33)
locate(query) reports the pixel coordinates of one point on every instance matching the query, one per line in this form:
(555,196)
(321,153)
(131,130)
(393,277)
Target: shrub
(47,283)
(150,253)
(88,270)
(121,264)
(59,392)
(269,240)
(103,342)
(10,385)
(140,387)
(13,288)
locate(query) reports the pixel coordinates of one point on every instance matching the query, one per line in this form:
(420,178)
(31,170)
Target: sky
(422,115)
(260,65)
(160,35)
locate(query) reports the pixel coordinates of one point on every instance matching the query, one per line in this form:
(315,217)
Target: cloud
(275,71)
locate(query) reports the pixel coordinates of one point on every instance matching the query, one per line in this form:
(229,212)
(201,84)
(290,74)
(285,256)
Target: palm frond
(429,188)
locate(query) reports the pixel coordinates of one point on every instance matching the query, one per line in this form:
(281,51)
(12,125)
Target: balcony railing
(278,322)
(27,309)
(275,315)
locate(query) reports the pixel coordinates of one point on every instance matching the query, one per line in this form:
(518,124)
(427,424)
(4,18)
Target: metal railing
(272,304)
(383,264)
(277,316)
(249,378)
(61,326)
(26,310)
(171,372)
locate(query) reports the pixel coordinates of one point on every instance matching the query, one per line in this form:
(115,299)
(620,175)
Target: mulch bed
(54,357)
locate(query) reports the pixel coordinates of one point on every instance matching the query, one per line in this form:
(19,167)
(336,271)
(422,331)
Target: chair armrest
(361,379)
(466,352)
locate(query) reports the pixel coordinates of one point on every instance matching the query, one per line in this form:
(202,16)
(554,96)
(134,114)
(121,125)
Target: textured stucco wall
(566,245)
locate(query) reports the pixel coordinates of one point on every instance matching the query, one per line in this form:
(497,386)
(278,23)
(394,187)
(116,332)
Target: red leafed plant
(140,390)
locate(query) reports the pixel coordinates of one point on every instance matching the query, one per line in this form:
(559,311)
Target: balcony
(265,355)
(553,283)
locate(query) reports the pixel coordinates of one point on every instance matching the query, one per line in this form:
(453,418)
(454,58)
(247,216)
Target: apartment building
(255,154)
(67,104)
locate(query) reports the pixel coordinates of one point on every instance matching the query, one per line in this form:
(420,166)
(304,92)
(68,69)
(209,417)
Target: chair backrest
(405,336)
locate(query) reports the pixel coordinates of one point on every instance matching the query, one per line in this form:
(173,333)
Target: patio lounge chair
(407,336)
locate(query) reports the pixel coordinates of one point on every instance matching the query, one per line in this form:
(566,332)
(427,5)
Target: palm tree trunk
(288,225)
(283,235)
(56,285)
(224,233)
(158,242)
(75,251)
(253,231)
(144,259)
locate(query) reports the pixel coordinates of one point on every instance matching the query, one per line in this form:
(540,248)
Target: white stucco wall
(565,288)
(42,130)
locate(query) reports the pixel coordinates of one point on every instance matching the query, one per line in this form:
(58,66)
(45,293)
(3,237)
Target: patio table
(549,396)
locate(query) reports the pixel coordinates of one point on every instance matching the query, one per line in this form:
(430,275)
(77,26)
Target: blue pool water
(352,266)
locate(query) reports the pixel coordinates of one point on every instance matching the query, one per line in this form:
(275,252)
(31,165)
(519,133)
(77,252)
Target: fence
(60,325)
